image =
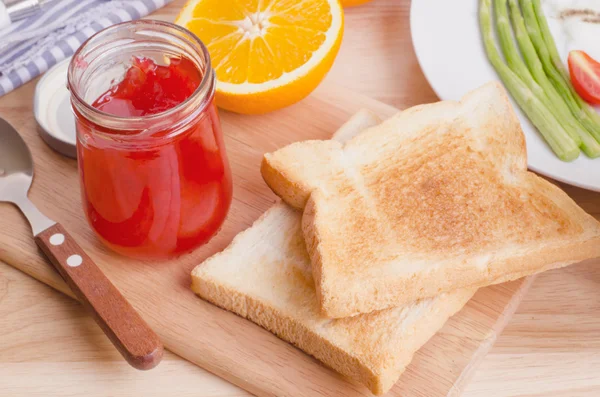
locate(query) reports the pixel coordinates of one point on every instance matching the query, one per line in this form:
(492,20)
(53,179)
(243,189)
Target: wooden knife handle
(130,334)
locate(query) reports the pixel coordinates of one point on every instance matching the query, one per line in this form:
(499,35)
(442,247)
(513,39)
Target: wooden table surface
(50,347)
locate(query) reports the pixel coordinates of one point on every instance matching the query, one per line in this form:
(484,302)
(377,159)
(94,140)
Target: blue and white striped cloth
(33,45)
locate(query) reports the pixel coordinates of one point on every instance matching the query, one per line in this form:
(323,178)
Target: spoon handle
(130,334)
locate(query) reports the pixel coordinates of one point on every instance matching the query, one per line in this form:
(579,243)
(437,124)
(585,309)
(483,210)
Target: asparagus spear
(512,57)
(556,71)
(558,139)
(588,144)
(536,8)
(508,48)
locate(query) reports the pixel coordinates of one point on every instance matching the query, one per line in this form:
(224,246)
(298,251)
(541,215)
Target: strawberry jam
(148,88)
(154,192)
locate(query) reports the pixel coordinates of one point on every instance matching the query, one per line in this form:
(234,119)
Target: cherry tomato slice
(585,76)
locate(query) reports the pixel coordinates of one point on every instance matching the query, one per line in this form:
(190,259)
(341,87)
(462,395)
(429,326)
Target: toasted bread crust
(435,199)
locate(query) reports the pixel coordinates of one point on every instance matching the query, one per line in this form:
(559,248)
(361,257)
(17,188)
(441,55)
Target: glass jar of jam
(155,180)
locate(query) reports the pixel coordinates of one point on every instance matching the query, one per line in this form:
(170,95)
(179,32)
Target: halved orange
(267,54)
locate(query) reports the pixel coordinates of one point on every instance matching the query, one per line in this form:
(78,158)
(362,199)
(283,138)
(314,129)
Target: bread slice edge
(377,380)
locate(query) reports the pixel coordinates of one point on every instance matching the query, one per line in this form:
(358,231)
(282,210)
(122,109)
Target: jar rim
(204,90)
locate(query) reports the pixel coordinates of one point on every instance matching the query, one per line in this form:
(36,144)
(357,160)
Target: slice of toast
(265,276)
(436,198)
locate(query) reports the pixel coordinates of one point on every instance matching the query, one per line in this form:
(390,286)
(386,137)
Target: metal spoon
(138,344)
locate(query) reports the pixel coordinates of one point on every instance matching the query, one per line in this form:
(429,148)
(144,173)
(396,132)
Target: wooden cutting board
(221,342)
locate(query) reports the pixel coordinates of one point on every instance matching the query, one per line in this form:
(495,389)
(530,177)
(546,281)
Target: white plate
(448,45)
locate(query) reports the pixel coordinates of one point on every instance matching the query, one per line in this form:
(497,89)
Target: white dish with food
(447,41)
